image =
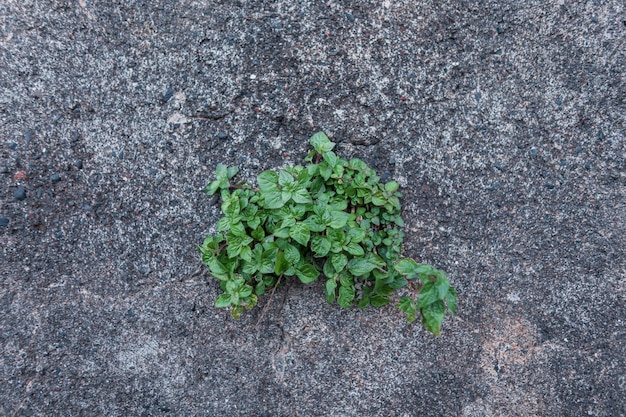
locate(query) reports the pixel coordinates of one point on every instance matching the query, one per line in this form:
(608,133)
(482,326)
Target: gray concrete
(504,122)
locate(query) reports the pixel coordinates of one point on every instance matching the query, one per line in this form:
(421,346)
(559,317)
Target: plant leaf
(406,266)
(346,295)
(360,266)
(267,181)
(321,143)
(307,273)
(339,261)
(292,254)
(451,300)
(354,249)
(330,287)
(339,219)
(408,306)
(275,199)
(331,158)
(300,233)
(281,263)
(428,295)
(222,301)
(301,196)
(432,317)
(320,246)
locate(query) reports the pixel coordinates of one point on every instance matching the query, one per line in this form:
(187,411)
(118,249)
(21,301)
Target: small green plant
(331,218)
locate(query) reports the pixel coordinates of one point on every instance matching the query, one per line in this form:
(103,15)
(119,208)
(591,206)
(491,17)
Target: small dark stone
(497,165)
(55,177)
(392,160)
(563,163)
(495,185)
(594,19)
(75,137)
(222,135)
(28,134)
(578,149)
(559,101)
(549,185)
(385,177)
(478,95)
(500,29)
(78,164)
(71,203)
(350,17)
(121,155)
(601,135)
(19,193)
(86,207)
(587,165)
(4,221)
(534,151)
(13,145)
(58,234)
(169,93)
(152,171)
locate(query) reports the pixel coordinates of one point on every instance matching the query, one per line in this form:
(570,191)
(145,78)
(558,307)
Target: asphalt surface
(504,123)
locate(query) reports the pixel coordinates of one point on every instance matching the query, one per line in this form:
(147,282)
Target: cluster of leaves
(331,218)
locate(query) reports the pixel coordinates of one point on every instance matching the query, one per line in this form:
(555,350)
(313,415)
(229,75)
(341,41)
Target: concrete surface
(504,122)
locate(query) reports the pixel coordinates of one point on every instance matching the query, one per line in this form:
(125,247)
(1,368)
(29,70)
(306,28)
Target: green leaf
(307,273)
(275,199)
(325,170)
(360,266)
(355,235)
(346,295)
(300,233)
(391,186)
(285,178)
(222,301)
(281,263)
(428,295)
(282,233)
(320,246)
(216,267)
(292,254)
(246,253)
(258,233)
(212,187)
(379,301)
(301,196)
(442,285)
(378,200)
(245,291)
(330,287)
(221,172)
(354,249)
(339,219)
(432,317)
(321,143)
(331,158)
(329,269)
(339,261)
(408,306)
(236,311)
(231,172)
(451,300)
(407,266)
(267,181)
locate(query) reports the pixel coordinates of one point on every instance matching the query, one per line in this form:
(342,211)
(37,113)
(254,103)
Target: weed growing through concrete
(331,218)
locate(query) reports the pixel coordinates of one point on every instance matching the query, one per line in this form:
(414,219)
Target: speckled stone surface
(503,121)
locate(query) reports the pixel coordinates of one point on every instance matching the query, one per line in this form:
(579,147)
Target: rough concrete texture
(504,121)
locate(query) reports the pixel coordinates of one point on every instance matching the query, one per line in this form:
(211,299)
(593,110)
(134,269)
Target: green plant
(332,217)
